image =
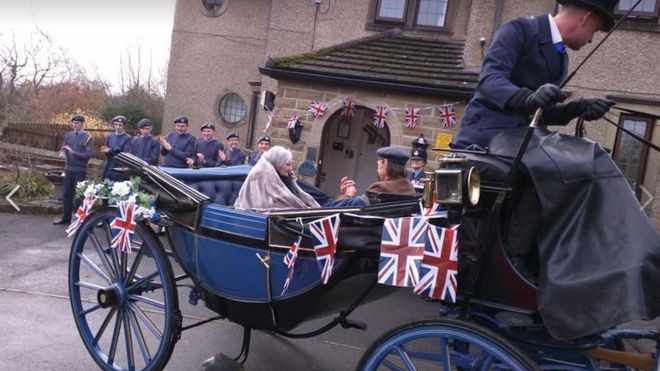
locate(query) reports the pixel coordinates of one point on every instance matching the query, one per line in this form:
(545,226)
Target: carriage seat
(221,192)
(493,170)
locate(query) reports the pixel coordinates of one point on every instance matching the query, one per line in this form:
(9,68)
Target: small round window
(214,8)
(232,108)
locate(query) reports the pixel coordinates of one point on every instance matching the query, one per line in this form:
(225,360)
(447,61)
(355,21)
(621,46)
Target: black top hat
(208,125)
(122,119)
(418,154)
(395,154)
(181,120)
(143,123)
(79,118)
(605,8)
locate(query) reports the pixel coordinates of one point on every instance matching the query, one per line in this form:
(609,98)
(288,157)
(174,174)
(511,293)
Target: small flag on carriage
(401,251)
(447,115)
(269,122)
(348,111)
(81,214)
(324,238)
(290,261)
(123,226)
(317,109)
(412,116)
(439,269)
(379,116)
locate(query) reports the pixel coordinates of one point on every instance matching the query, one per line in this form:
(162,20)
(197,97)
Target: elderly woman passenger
(271,185)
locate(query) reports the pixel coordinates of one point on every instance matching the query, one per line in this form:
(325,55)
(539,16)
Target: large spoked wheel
(125,305)
(443,344)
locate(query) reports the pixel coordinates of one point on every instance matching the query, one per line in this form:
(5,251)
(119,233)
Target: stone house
(226,54)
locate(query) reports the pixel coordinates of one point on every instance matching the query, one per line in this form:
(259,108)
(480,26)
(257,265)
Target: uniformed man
(77,150)
(115,143)
(263,144)
(178,146)
(234,154)
(417,162)
(523,68)
(145,146)
(207,149)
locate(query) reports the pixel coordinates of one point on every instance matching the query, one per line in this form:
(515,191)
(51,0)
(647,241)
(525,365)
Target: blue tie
(560,47)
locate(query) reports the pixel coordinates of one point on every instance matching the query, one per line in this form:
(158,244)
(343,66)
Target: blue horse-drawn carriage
(126,308)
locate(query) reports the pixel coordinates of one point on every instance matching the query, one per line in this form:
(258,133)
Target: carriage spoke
(104,325)
(108,238)
(134,266)
(148,301)
(90,310)
(444,354)
(401,351)
(115,339)
(88,285)
(102,255)
(390,365)
(141,281)
(123,265)
(129,341)
(487,362)
(147,321)
(144,349)
(94,267)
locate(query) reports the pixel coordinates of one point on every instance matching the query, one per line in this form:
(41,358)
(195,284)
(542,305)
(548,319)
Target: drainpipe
(497,20)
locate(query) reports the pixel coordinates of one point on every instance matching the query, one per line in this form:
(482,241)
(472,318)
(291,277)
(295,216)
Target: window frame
(637,14)
(399,21)
(429,27)
(643,157)
(218,108)
(213,12)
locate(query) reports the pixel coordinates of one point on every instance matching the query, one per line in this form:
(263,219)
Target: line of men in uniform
(179,149)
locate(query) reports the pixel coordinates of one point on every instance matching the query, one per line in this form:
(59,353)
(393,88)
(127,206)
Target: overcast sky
(96,32)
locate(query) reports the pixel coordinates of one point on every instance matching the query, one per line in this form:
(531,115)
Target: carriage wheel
(443,344)
(125,305)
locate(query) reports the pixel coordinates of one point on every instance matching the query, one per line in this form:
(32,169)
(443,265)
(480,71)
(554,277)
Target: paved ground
(37,329)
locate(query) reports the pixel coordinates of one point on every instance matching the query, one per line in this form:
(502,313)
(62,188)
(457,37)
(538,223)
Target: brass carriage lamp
(455,182)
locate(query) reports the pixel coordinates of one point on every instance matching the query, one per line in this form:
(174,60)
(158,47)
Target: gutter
(277,73)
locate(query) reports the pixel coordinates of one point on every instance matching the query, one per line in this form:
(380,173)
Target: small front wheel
(443,344)
(125,305)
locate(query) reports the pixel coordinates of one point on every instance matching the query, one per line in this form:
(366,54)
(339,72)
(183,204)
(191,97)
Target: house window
(213,8)
(645,9)
(629,153)
(232,108)
(427,14)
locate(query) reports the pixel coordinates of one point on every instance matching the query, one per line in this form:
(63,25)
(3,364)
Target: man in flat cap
(77,150)
(523,67)
(391,171)
(115,143)
(145,146)
(263,144)
(234,154)
(417,162)
(207,149)
(177,147)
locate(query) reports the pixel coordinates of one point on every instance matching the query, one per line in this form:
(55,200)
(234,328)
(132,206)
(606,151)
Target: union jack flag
(447,115)
(269,122)
(81,214)
(293,120)
(123,226)
(324,237)
(290,261)
(348,111)
(380,115)
(412,116)
(401,251)
(440,265)
(317,109)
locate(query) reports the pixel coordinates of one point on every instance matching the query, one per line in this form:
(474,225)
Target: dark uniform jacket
(146,148)
(235,156)
(182,149)
(254,157)
(416,177)
(82,144)
(209,148)
(116,143)
(522,55)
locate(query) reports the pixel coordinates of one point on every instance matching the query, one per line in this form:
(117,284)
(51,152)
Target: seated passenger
(391,179)
(271,185)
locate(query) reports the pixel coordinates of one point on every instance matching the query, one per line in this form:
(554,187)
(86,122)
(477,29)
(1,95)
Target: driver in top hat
(523,67)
